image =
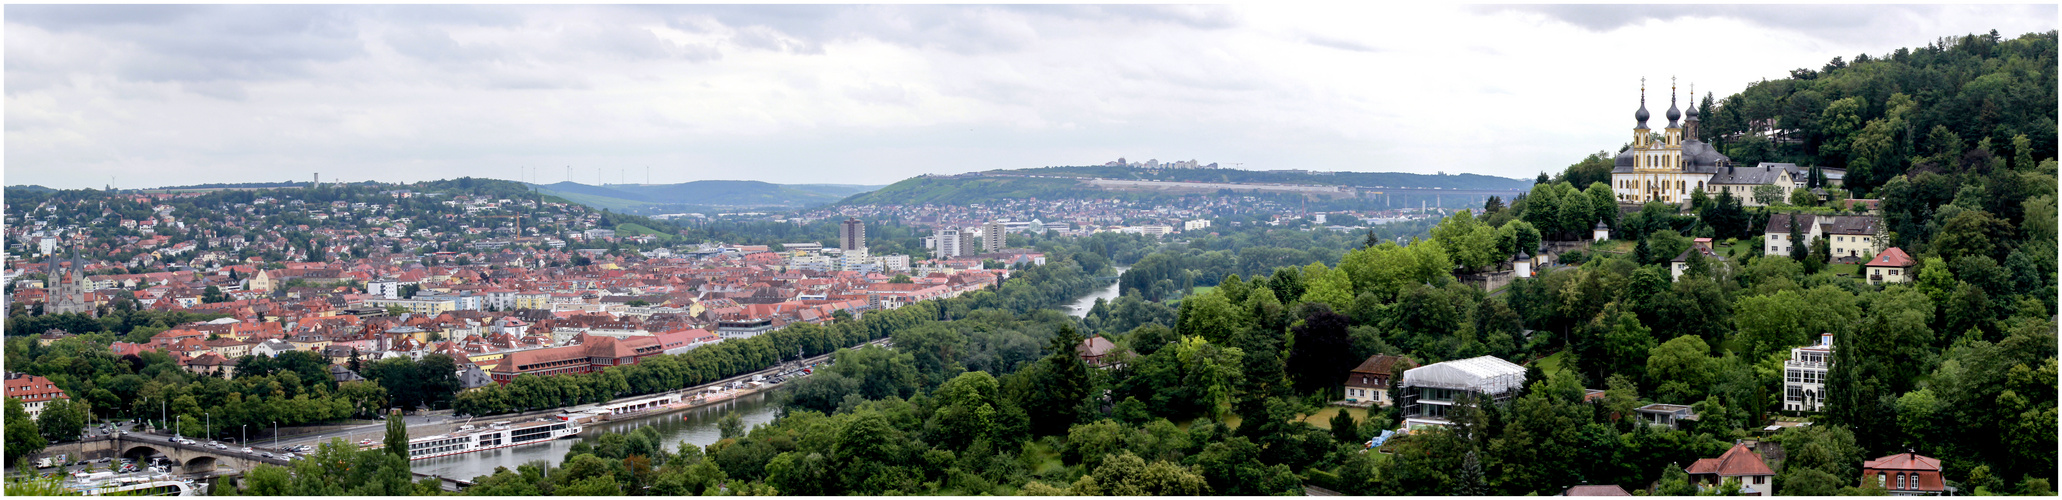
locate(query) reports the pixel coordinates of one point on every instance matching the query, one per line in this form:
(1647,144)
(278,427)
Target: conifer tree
(397,435)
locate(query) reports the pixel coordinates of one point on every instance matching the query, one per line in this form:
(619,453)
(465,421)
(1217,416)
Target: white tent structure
(1429,390)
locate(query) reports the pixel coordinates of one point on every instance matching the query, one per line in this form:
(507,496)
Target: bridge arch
(142,453)
(199,464)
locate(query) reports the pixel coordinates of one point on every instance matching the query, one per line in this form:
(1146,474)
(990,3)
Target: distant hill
(961,190)
(633,197)
(1358,179)
(1065,182)
(30,188)
(838,190)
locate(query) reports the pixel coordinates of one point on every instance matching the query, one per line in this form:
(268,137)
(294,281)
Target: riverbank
(1079,307)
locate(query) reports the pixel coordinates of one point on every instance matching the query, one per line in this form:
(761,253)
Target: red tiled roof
(1738,461)
(31,388)
(1382,364)
(521,361)
(1095,347)
(1891,257)
(1928,469)
(1904,461)
(1606,490)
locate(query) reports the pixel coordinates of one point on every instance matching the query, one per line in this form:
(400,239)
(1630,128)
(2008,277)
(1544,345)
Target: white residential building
(948,243)
(384,287)
(1848,236)
(1804,375)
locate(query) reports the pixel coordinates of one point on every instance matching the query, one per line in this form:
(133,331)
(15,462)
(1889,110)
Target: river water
(1079,308)
(696,426)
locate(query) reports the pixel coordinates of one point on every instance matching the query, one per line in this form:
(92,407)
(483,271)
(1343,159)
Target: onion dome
(1673,114)
(1642,114)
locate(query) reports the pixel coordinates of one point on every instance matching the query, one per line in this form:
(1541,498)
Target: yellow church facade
(1669,166)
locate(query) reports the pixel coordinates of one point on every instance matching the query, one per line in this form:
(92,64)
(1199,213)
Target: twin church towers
(1668,166)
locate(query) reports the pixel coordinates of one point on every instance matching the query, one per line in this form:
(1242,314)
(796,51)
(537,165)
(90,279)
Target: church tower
(1670,166)
(66,281)
(1641,132)
(1690,116)
(1674,132)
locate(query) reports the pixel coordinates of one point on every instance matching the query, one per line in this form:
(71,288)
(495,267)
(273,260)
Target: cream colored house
(1849,236)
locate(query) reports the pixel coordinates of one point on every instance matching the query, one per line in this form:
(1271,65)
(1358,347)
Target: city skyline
(146,96)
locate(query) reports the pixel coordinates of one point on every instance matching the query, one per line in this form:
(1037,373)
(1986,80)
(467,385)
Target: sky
(139,96)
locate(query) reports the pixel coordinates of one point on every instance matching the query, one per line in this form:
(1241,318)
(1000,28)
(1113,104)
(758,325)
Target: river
(1079,308)
(696,426)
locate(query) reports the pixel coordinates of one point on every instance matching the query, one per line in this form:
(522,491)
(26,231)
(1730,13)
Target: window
(1882,479)
(1900,481)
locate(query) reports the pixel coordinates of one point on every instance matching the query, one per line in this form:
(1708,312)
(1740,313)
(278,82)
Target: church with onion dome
(1667,167)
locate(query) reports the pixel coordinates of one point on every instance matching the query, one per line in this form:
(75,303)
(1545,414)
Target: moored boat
(502,434)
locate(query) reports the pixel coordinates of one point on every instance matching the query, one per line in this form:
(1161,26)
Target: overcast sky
(170,95)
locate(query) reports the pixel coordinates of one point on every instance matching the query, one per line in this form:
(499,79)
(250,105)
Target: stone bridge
(185,458)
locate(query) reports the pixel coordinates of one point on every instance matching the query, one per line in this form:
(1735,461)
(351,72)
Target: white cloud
(165,95)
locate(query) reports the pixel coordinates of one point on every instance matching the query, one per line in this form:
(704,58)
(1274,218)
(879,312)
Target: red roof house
(34,392)
(1740,463)
(1890,266)
(1095,350)
(1905,474)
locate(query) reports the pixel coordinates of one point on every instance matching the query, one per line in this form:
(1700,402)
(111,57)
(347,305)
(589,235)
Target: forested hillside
(1957,104)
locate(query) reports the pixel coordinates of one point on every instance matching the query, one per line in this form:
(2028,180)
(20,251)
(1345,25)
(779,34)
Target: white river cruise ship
(502,434)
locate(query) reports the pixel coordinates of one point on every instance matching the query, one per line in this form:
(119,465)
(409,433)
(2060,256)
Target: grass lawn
(1735,249)
(1612,246)
(1323,418)
(1205,289)
(1551,364)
